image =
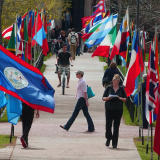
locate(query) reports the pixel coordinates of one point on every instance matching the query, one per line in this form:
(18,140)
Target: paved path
(47,141)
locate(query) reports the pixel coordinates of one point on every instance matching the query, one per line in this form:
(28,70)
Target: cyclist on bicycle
(63,58)
(58,46)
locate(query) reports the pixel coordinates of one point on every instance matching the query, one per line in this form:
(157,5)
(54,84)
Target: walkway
(47,141)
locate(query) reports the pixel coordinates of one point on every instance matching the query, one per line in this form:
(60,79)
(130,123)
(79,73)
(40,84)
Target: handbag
(90,93)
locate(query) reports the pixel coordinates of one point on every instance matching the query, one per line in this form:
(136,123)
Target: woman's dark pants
(81,104)
(113,115)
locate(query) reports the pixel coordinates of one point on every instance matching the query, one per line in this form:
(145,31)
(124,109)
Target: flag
(49,23)
(134,66)
(39,36)
(106,44)
(151,87)
(14,109)
(101,32)
(12,44)
(89,26)
(25,82)
(97,18)
(143,45)
(156,56)
(45,24)
(93,29)
(24,39)
(100,8)
(19,21)
(129,51)
(85,21)
(28,49)
(6,34)
(122,40)
(99,3)
(3,100)
(156,144)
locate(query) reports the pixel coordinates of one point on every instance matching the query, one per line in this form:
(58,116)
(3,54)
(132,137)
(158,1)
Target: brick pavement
(47,141)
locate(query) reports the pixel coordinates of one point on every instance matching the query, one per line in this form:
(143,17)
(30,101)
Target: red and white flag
(151,88)
(156,146)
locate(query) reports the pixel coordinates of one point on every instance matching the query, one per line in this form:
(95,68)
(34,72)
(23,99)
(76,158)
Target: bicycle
(65,71)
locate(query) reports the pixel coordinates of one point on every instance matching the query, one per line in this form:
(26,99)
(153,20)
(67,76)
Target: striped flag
(156,146)
(151,87)
(134,66)
(122,40)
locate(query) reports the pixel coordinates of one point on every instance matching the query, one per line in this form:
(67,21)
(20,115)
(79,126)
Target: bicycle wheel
(63,85)
(52,48)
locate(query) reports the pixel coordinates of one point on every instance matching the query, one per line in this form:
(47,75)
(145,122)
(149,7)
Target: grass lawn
(127,119)
(4,141)
(48,56)
(4,118)
(142,149)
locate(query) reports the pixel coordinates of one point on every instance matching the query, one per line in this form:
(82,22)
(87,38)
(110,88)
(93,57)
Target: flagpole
(147,140)
(140,69)
(142,114)
(16,28)
(31,36)
(151,139)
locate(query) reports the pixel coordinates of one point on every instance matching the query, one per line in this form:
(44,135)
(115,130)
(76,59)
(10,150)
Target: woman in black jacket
(114,96)
(108,74)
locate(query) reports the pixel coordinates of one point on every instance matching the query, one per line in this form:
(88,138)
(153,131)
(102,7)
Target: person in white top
(82,103)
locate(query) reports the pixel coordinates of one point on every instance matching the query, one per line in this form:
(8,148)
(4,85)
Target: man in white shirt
(82,103)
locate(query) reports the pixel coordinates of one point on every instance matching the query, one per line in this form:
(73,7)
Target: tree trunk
(1,6)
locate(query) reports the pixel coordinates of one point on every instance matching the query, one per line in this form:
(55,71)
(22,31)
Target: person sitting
(63,58)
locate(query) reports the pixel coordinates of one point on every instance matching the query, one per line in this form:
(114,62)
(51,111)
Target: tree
(9,9)
(1,6)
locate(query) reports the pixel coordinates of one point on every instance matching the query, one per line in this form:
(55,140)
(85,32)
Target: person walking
(63,58)
(114,96)
(82,103)
(27,119)
(108,74)
(78,52)
(67,19)
(73,42)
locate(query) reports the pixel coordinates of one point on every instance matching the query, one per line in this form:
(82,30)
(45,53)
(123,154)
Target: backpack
(73,38)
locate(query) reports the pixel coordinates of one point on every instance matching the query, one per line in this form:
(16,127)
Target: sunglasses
(77,73)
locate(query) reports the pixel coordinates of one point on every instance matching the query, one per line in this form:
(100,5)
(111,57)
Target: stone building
(80,8)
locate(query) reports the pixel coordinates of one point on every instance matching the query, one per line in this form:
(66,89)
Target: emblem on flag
(15,77)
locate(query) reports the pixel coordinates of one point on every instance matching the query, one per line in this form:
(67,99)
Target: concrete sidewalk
(47,141)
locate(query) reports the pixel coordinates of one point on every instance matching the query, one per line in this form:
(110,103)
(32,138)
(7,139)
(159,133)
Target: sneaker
(24,144)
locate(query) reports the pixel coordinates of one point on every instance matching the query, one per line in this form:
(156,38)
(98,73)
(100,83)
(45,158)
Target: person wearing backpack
(73,42)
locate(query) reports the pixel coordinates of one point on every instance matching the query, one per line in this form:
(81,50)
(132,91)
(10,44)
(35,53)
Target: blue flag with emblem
(25,82)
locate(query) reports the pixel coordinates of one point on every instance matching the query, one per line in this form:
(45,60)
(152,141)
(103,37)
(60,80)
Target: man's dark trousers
(27,119)
(110,116)
(81,104)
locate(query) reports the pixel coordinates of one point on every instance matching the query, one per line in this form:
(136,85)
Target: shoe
(90,130)
(114,146)
(63,127)
(55,71)
(107,142)
(24,144)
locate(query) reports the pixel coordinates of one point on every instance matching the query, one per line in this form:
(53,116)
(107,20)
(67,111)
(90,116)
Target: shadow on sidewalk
(32,148)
